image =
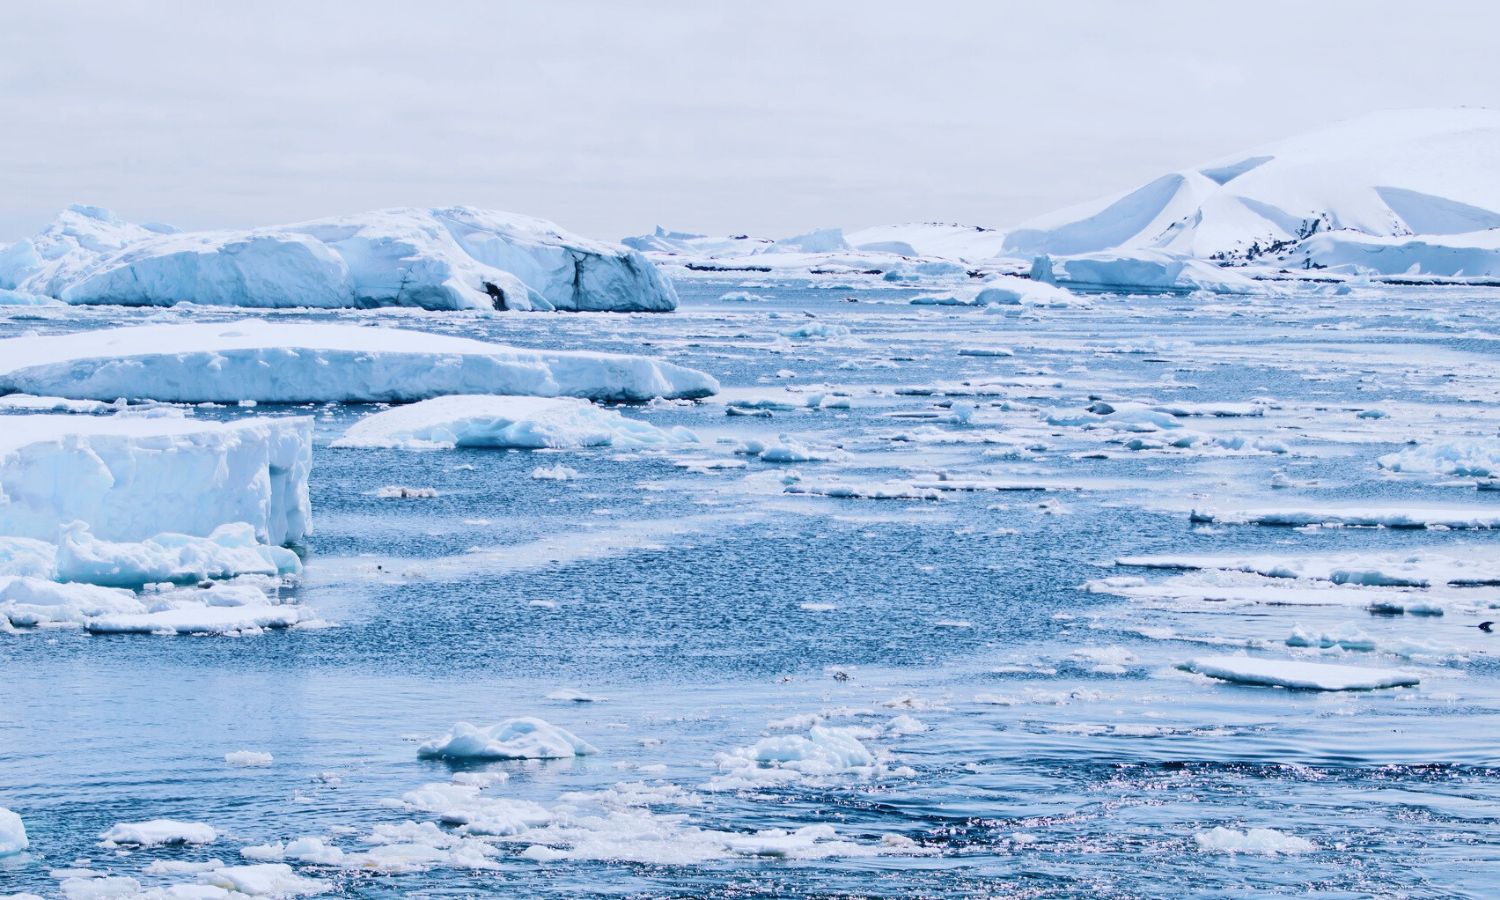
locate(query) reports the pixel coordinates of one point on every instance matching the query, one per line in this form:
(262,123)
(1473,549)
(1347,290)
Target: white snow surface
(500,421)
(443,258)
(136,478)
(1298,675)
(1398,177)
(520,738)
(305,362)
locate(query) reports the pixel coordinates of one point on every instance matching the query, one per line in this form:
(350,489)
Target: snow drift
(450,258)
(302,363)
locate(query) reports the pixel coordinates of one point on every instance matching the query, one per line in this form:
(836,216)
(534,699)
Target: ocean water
(1033,734)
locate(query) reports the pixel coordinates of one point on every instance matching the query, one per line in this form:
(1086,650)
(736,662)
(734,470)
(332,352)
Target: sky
(610,118)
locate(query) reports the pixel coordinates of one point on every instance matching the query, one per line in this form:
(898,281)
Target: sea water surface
(939,580)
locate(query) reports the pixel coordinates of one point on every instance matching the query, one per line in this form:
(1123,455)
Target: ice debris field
(976,580)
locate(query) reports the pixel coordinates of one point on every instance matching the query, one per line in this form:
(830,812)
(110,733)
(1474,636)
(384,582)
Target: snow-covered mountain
(1391,192)
(451,258)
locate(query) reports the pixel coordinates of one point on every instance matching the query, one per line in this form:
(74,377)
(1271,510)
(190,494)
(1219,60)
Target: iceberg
(446,258)
(317,363)
(1387,192)
(530,423)
(134,478)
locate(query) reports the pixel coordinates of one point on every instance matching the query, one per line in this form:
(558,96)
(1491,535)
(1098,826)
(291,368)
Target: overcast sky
(612,117)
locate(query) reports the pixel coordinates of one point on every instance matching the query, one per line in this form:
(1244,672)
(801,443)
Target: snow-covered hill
(1392,192)
(452,258)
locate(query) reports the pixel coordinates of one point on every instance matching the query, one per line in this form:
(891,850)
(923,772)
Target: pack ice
(318,362)
(450,258)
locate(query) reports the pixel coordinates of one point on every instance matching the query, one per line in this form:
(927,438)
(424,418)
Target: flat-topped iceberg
(304,362)
(130,478)
(529,423)
(446,258)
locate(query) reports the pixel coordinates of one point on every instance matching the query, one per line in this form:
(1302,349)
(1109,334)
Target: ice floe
(158,833)
(321,362)
(501,421)
(1298,675)
(12,833)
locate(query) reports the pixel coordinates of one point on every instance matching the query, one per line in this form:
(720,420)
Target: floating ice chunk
(822,752)
(1464,459)
(228,551)
(986,351)
(248,758)
(557,472)
(1012,290)
(12,833)
(26,602)
(740,297)
(402,492)
(1298,675)
(520,738)
(817,331)
(122,886)
(1456,517)
(316,362)
(263,880)
(569,695)
(1266,841)
(198,619)
(159,833)
(22,298)
(501,421)
(131,478)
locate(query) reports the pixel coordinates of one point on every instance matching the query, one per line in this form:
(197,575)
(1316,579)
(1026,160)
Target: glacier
(442,258)
(305,363)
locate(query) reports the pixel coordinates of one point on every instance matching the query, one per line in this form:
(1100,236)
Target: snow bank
(12,833)
(449,258)
(307,362)
(1297,675)
(1266,841)
(497,421)
(159,833)
(140,478)
(521,738)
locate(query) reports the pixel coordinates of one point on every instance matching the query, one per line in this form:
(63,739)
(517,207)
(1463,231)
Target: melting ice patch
(531,423)
(1267,841)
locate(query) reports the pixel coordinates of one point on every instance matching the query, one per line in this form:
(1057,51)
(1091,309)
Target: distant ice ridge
(162,479)
(311,362)
(443,258)
(1398,192)
(498,421)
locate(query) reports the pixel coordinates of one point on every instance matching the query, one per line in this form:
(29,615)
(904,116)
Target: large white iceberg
(130,478)
(529,423)
(307,362)
(450,258)
(1396,191)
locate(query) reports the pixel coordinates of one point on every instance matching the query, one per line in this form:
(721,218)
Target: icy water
(956,603)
